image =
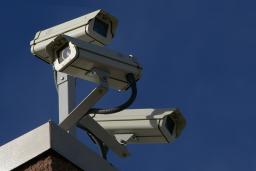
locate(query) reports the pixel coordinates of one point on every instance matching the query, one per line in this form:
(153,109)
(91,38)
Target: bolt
(131,56)
(62,78)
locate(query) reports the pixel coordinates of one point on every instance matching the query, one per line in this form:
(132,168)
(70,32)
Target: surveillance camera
(139,126)
(80,59)
(97,27)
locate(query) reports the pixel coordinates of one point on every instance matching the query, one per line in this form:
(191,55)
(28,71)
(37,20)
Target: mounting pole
(66,85)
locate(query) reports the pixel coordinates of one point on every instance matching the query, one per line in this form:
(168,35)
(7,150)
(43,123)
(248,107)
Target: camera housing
(97,27)
(80,59)
(75,48)
(142,126)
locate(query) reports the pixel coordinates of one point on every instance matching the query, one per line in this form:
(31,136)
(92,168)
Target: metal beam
(78,113)
(66,86)
(89,124)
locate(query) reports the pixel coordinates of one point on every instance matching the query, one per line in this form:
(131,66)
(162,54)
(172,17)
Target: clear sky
(198,55)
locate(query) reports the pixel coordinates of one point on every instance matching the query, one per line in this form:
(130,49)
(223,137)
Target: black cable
(131,79)
(55,80)
(102,147)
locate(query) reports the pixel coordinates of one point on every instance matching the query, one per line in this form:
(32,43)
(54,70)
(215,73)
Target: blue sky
(197,55)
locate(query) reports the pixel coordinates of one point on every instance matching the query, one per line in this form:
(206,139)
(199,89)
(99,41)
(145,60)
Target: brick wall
(48,161)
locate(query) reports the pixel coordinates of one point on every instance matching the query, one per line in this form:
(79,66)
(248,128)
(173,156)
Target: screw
(123,142)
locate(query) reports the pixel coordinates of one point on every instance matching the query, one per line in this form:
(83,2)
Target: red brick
(48,161)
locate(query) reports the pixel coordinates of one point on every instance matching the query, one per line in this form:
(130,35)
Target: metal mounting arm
(77,117)
(89,124)
(77,114)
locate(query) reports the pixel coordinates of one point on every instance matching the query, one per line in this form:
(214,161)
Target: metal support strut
(77,116)
(66,87)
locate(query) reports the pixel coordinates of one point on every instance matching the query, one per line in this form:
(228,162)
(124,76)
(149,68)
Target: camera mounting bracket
(81,109)
(66,89)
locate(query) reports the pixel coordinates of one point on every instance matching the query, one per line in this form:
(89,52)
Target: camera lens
(64,54)
(170,125)
(100,27)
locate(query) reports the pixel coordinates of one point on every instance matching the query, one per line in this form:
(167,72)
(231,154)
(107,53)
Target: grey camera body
(97,27)
(80,59)
(140,126)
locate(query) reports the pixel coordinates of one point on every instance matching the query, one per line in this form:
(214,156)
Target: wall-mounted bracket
(79,116)
(78,113)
